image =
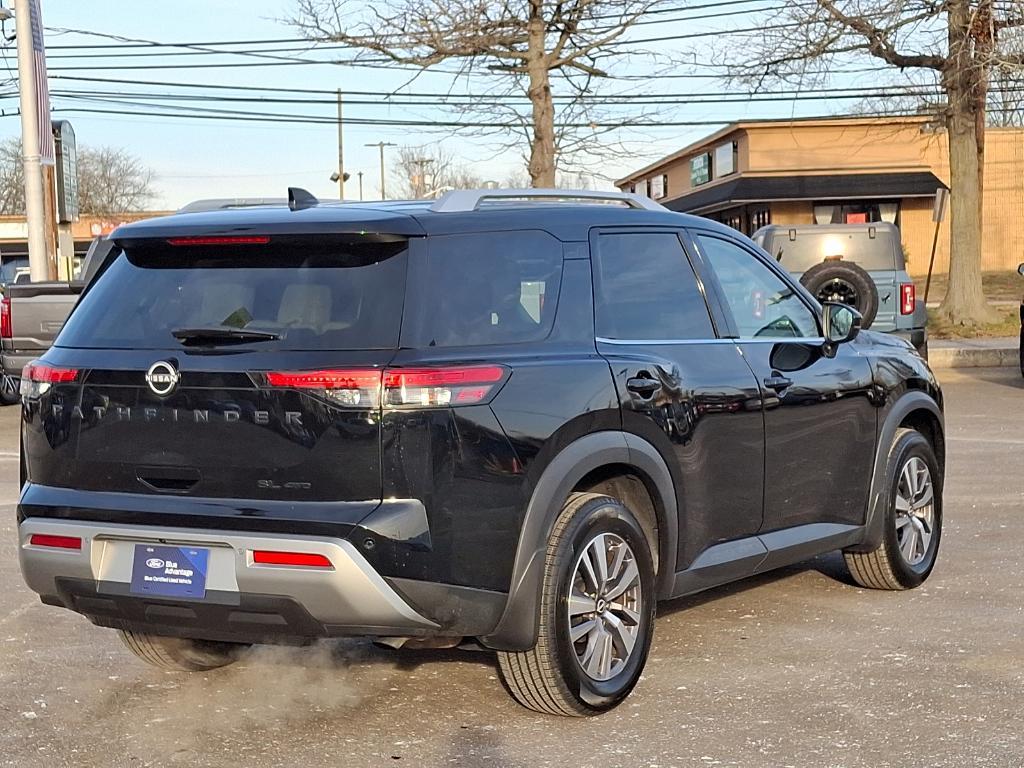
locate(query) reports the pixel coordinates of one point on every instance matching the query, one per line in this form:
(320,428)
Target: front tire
(596,613)
(913,519)
(181,654)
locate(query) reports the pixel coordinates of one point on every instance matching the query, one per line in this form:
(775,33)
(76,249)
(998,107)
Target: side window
(487,288)
(762,304)
(646,289)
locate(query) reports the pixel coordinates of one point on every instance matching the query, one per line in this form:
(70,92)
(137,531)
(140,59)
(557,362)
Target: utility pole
(341,152)
(419,180)
(381,145)
(31,105)
(360,174)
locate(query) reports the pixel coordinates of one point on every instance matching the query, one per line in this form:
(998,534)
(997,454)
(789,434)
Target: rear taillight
(400,387)
(37,378)
(426,387)
(56,542)
(295,559)
(5,318)
(354,388)
(908,298)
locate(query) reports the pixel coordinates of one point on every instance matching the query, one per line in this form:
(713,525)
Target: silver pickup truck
(31,316)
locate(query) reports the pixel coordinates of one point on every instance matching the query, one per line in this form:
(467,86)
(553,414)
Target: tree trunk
(963,77)
(965,302)
(542,144)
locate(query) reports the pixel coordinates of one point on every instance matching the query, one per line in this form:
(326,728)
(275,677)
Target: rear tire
(913,519)
(181,654)
(557,676)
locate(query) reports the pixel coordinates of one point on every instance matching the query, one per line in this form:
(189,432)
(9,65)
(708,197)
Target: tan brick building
(841,170)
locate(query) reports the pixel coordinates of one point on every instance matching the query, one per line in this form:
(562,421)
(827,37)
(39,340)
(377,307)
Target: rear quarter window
(484,288)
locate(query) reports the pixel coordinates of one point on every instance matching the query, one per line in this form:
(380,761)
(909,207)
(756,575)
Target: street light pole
(381,145)
(341,152)
(360,174)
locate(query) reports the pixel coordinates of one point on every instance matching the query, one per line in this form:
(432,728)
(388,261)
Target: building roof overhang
(743,190)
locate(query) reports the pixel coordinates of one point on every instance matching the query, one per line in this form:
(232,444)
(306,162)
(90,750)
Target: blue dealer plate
(169,571)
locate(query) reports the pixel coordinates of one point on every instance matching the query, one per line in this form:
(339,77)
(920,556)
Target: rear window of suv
(858,246)
(313,293)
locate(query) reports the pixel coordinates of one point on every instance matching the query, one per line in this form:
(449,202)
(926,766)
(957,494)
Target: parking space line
(994,440)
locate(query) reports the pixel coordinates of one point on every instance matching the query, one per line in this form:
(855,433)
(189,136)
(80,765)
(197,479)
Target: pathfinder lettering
(198,416)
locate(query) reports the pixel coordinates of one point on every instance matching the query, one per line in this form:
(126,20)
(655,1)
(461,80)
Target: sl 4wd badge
(273,485)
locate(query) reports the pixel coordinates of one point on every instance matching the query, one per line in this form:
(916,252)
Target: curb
(973,357)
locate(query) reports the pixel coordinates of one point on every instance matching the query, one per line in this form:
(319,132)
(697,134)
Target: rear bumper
(245,601)
(12,363)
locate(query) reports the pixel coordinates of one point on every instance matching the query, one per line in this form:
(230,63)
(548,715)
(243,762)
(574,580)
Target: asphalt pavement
(797,668)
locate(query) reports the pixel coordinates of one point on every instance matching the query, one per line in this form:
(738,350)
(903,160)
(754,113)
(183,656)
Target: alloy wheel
(915,511)
(604,606)
(839,290)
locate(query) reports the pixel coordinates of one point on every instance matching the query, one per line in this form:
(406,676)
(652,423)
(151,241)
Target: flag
(47,155)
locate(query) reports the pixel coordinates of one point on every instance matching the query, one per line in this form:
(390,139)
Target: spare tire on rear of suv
(845,282)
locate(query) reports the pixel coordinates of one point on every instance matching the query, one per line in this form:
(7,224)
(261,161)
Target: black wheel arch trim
(518,626)
(908,403)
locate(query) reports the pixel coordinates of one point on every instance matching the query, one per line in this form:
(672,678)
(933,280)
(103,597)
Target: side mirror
(840,323)
(1020,270)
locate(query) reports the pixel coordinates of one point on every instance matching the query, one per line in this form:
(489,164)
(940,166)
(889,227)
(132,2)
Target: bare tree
(533,45)
(12,179)
(112,181)
(424,171)
(957,44)
(109,181)
(564,180)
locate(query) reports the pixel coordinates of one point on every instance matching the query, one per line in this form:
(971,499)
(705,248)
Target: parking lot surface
(796,668)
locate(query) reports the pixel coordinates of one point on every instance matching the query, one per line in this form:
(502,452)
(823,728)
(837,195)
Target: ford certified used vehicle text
(510,420)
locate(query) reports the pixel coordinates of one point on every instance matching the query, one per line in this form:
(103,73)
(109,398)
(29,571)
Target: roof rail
(463,200)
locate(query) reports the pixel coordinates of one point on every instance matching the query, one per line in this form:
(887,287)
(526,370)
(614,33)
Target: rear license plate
(169,571)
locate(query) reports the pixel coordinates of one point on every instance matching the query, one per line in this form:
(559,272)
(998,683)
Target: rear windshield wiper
(221,334)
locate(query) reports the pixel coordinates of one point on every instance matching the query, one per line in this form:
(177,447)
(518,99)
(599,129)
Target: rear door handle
(778,383)
(643,387)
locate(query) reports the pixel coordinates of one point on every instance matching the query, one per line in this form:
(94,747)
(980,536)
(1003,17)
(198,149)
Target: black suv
(508,420)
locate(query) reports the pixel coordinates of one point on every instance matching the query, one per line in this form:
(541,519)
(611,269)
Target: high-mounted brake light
(6,331)
(299,559)
(404,387)
(908,298)
(57,542)
(220,240)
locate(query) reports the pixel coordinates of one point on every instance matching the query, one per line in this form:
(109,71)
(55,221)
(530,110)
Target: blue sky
(194,158)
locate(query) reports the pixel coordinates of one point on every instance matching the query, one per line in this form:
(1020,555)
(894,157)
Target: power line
(455,100)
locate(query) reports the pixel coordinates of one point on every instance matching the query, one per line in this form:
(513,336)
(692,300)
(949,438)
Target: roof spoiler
(223,203)
(297,200)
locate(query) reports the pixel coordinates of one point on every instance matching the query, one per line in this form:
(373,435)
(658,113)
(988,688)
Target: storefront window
(857,212)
